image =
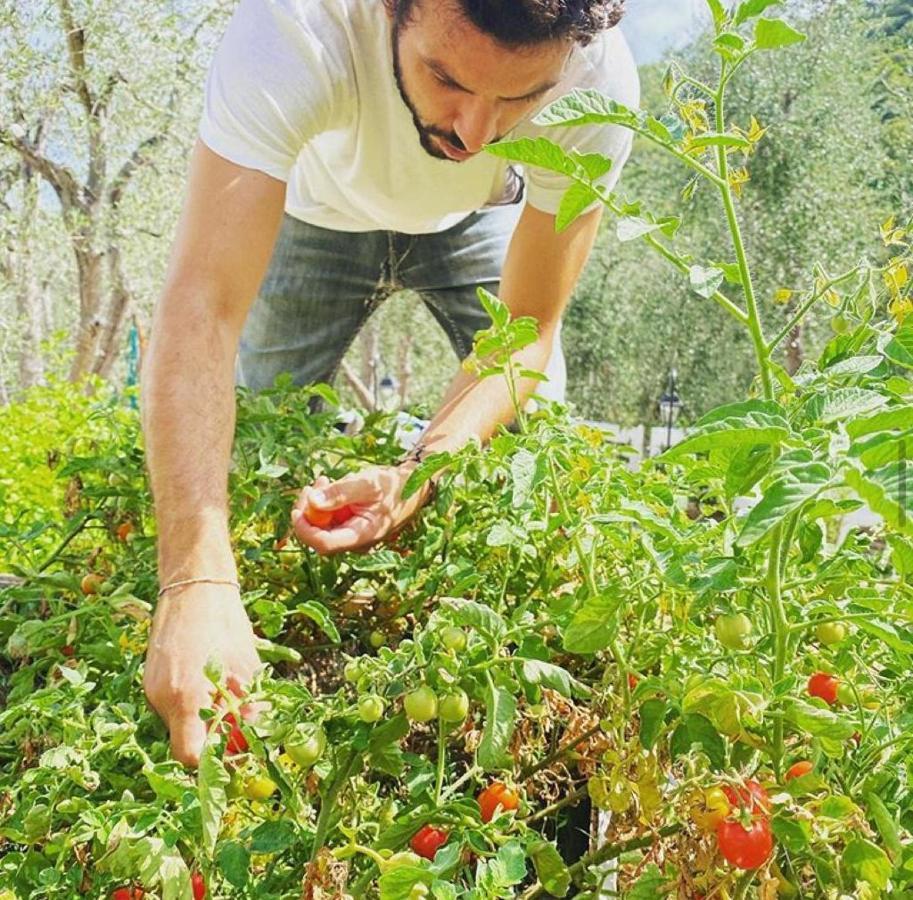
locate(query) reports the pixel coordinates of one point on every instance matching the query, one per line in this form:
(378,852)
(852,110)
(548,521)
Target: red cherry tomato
(341,515)
(426,841)
(495,795)
(236,742)
(319,518)
(632,681)
(752,796)
(797,770)
(68,650)
(125,893)
(824,686)
(198,884)
(745,848)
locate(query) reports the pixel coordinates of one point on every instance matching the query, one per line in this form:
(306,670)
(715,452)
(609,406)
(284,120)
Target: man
(342,156)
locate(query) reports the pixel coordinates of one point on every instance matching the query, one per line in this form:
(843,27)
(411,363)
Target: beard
(426,132)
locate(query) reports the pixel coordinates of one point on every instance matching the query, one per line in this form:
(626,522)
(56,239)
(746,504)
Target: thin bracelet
(175,584)
(417,455)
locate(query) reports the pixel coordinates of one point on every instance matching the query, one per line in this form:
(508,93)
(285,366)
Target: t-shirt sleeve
(614,73)
(272,86)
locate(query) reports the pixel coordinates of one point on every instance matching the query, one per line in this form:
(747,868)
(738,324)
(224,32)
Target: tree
(91,99)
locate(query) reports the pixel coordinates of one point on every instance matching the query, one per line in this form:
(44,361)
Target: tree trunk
(405,367)
(90,269)
(119,304)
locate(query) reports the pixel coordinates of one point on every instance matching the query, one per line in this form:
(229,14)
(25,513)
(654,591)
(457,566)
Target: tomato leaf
(900,348)
(652,717)
(212,781)
(233,859)
(593,625)
(500,718)
(697,730)
(769,34)
(817,721)
(887,491)
(469,613)
(867,862)
(551,870)
(575,200)
(885,822)
(320,615)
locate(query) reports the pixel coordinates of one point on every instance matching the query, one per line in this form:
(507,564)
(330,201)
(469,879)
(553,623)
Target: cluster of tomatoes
(492,799)
(740,818)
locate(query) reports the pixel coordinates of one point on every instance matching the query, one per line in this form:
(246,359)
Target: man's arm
(225,237)
(540,272)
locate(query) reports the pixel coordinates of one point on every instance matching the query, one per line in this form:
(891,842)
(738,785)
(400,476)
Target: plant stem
(328,805)
(557,754)
(569,800)
(441,761)
(781,634)
(754,321)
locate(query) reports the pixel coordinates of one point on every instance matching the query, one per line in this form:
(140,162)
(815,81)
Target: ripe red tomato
(125,893)
(319,518)
(91,583)
(68,650)
(198,884)
(495,795)
(341,515)
(426,841)
(745,848)
(236,742)
(124,530)
(632,681)
(797,770)
(752,796)
(824,686)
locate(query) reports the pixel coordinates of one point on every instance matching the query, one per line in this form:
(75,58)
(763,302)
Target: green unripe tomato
(352,671)
(377,639)
(733,631)
(830,632)
(454,707)
(235,786)
(845,694)
(370,708)
(421,704)
(306,744)
(453,638)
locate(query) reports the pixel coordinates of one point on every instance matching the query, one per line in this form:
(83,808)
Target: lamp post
(670,405)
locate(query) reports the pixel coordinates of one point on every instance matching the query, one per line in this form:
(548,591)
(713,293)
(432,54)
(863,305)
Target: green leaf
(901,556)
(527,471)
(716,139)
(549,675)
(897,417)
(843,403)
(476,615)
(885,822)
(652,717)
(817,721)
(272,837)
(900,348)
(750,9)
(867,862)
(585,107)
(705,282)
(718,11)
(631,228)
(888,491)
(887,634)
(427,468)
(234,862)
(539,152)
(651,884)
(786,494)
(593,625)
(320,615)
(500,719)
(736,424)
(696,729)
(212,781)
(377,561)
(883,447)
(855,365)
(397,884)
(792,834)
(769,34)
(729,45)
(575,200)
(551,870)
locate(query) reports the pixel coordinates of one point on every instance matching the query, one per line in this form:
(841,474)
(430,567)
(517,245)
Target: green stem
(781,635)
(557,754)
(328,806)
(800,313)
(569,800)
(754,321)
(441,761)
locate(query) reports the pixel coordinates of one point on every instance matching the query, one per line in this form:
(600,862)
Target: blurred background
(99,103)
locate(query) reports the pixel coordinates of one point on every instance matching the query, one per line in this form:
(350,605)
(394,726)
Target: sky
(656,27)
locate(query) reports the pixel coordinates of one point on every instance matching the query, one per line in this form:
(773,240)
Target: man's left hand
(374,498)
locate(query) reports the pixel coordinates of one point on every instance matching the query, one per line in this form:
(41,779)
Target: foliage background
(834,166)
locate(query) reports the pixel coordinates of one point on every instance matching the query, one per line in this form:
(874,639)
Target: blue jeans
(321,286)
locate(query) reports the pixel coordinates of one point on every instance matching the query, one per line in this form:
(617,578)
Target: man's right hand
(193,624)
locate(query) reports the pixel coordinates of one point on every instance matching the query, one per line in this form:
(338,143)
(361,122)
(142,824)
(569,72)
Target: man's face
(465,90)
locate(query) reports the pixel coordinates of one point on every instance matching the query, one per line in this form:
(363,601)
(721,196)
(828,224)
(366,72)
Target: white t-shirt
(304,90)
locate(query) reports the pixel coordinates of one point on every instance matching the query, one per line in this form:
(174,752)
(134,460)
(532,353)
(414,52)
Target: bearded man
(340,158)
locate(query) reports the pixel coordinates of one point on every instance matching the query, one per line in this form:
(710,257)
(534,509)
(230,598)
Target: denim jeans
(321,286)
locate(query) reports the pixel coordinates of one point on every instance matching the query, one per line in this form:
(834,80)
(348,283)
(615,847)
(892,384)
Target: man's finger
(186,728)
(362,530)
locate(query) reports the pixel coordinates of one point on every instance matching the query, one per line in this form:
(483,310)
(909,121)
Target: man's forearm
(188,412)
(474,407)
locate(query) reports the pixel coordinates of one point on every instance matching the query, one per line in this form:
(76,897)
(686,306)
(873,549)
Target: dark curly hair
(517,23)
